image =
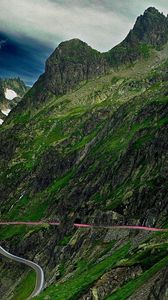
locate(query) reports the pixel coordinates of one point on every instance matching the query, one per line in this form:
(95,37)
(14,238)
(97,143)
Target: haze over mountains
(88,144)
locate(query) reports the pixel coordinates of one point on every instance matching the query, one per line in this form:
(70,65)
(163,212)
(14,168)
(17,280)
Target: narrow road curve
(39,272)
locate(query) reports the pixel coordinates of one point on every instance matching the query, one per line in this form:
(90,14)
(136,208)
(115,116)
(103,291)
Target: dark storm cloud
(22,57)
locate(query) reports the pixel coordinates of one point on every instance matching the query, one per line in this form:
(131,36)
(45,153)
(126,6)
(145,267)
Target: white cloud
(53,22)
(102,24)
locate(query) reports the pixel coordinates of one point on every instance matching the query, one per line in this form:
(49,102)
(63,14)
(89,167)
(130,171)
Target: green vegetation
(25,287)
(33,209)
(111,145)
(20,232)
(7,232)
(144,49)
(76,285)
(96,154)
(65,240)
(129,288)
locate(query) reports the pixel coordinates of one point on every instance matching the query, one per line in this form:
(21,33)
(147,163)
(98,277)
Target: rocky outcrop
(74,62)
(71,63)
(52,166)
(150,30)
(110,282)
(156,288)
(159,290)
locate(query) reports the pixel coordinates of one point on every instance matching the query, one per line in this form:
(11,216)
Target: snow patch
(1,121)
(10,94)
(6,111)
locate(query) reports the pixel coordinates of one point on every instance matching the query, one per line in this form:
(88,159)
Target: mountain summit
(150,28)
(150,31)
(74,61)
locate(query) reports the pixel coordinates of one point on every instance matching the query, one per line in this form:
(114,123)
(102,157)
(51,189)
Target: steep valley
(88,144)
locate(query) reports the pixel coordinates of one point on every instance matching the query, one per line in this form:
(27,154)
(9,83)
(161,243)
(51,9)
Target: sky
(31,29)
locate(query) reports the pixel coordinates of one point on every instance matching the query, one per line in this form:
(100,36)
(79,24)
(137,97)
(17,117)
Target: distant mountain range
(11,92)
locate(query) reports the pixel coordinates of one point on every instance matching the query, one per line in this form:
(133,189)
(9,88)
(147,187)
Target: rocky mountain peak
(150,28)
(150,31)
(73,51)
(70,46)
(73,61)
(152,10)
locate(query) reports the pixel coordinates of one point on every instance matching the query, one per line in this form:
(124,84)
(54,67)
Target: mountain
(75,62)
(88,144)
(72,57)
(11,92)
(150,31)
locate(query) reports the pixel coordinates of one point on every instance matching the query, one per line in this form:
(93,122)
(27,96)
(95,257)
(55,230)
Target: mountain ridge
(74,62)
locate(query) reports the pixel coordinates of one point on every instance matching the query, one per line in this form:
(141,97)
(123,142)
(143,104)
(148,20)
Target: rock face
(110,282)
(72,62)
(160,288)
(150,30)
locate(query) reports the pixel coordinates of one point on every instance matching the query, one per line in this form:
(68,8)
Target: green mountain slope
(88,143)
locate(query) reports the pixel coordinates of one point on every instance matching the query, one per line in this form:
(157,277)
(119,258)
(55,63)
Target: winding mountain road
(39,272)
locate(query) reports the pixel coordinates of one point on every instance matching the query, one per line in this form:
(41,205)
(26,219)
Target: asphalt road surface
(39,272)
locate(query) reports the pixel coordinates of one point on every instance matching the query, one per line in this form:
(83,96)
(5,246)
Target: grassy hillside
(97,154)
